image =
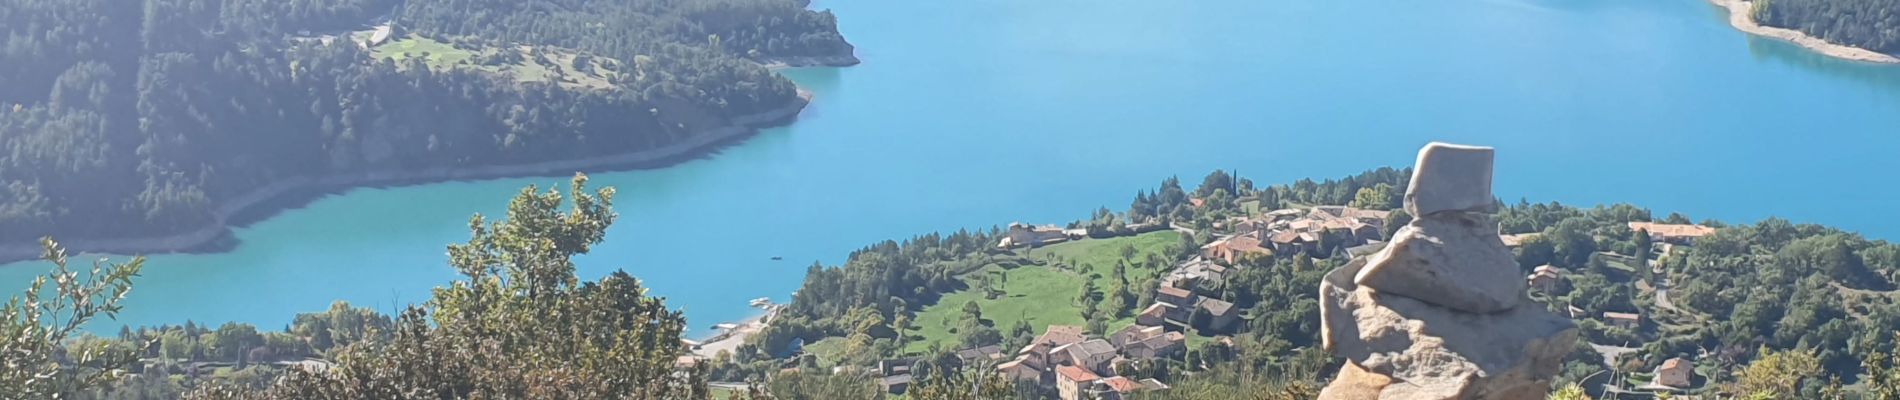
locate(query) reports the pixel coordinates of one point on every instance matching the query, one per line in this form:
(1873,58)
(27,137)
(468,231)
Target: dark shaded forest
(128,120)
(1867,24)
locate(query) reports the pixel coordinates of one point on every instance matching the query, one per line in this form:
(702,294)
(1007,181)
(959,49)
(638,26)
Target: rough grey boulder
(1401,348)
(1455,261)
(1450,177)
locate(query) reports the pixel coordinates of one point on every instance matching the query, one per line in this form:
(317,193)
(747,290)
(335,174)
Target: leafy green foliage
(519,324)
(36,358)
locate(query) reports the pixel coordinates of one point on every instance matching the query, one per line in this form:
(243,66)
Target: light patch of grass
(1043,295)
(826,350)
(555,66)
(436,53)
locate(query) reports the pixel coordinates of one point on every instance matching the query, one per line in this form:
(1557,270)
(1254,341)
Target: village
(1079,367)
(1069,363)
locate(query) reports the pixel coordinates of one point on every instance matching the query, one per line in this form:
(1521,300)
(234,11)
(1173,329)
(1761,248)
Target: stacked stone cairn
(1441,312)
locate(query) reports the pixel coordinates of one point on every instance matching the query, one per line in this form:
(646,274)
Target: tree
(1534,251)
(38,362)
(807,386)
(1641,239)
(963,384)
(1393,221)
(1776,374)
(1569,392)
(1376,197)
(519,324)
(1882,377)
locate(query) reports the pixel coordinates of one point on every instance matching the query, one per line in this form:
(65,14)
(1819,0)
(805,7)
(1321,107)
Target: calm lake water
(982,112)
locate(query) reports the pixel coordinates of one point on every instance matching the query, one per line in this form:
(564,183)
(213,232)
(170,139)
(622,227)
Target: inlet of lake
(982,112)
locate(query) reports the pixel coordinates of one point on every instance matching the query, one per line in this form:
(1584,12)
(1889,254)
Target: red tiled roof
(1076,374)
(1175,291)
(1121,384)
(1156,310)
(1285,237)
(1058,335)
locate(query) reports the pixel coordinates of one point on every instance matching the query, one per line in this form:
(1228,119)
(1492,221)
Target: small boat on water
(726,326)
(761,302)
(778,258)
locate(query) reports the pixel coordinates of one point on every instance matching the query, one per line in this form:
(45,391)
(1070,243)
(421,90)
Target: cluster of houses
(1292,230)
(1674,374)
(1079,367)
(1176,309)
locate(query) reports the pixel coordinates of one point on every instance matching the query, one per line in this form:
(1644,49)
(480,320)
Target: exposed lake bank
(294,193)
(1741,18)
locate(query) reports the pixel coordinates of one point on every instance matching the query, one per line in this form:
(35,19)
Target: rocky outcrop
(1440,313)
(1455,261)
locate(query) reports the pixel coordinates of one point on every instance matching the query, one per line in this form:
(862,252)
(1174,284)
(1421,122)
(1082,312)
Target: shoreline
(1739,16)
(729,341)
(779,63)
(294,193)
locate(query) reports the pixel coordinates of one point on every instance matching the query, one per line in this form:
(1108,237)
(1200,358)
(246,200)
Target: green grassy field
(557,68)
(826,350)
(437,54)
(1042,295)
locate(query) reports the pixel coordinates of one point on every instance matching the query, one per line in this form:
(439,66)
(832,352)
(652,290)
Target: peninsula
(1742,15)
(157,127)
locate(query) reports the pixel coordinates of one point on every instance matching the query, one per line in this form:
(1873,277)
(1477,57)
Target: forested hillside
(128,119)
(1867,24)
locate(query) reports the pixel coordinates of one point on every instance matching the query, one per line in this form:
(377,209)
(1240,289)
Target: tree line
(1867,24)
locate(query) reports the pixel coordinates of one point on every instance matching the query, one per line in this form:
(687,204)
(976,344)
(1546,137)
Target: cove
(982,112)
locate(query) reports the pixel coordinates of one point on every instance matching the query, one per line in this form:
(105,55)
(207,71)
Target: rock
(1454,261)
(1401,348)
(1354,383)
(1448,178)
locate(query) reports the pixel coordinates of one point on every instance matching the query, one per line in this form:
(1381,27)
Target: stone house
(1020,234)
(1294,242)
(1544,278)
(1233,248)
(1035,360)
(1623,320)
(1134,333)
(895,384)
(1018,370)
(1174,296)
(1093,355)
(1073,383)
(1221,314)
(1154,315)
(1676,372)
(1114,388)
(1164,345)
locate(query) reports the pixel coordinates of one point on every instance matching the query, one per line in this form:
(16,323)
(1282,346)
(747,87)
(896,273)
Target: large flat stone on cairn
(1400,348)
(1450,260)
(1450,177)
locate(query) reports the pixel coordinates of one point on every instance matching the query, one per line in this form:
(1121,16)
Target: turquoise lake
(981,112)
